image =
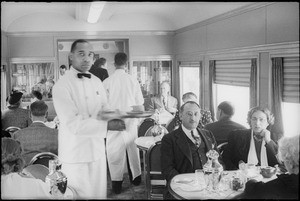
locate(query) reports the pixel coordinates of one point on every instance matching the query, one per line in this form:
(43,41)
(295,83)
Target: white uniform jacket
(123,92)
(77,102)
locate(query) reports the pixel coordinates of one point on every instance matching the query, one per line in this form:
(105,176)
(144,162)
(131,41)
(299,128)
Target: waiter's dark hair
(100,62)
(76,42)
(121,59)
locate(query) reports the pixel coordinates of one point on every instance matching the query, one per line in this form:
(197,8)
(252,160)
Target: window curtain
(277,90)
(253,83)
(212,68)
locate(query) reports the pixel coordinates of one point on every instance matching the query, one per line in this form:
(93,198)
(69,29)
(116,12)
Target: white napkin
(189,185)
(252,156)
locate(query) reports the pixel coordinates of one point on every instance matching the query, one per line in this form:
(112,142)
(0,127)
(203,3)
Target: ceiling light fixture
(95,11)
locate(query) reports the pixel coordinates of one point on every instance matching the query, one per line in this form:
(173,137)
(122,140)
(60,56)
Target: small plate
(109,111)
(183,181)
(135,112)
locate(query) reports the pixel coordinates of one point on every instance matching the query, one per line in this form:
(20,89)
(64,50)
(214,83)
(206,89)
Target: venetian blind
(233,72)
(291,79)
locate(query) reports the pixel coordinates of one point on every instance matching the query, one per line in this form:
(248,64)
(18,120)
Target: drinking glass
(199,177)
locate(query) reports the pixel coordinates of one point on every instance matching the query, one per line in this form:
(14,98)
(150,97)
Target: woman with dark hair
(254,145)
(15,184)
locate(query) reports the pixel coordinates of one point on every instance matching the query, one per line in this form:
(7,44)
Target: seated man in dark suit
(98,69)
(37,137)
(224,125)
(205,114)
(184,149)
(164,101)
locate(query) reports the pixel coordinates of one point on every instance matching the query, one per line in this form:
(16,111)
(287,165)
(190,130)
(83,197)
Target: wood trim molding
(152,58)
(96,34)
(288,47)
(32,60)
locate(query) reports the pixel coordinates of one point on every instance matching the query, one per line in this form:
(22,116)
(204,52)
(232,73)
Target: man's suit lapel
(248,139)
(182,143)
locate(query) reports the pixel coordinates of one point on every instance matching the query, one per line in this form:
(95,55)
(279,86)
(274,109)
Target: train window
(290,117)
(290,106)
(3,86)
(190,78)
(239,96)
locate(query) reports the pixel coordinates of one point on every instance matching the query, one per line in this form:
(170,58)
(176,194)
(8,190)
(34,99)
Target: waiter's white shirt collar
(188,133)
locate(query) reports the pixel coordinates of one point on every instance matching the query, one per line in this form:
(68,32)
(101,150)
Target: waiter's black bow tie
(80,75)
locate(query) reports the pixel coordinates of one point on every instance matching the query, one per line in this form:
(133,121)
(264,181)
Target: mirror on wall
(27,76)
(150,75)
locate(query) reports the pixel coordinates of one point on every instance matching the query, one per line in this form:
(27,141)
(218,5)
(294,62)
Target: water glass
(199,177)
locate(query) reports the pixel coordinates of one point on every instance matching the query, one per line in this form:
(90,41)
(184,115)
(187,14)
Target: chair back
(43,158)
(221,147)
(144,126)
(37,171)
(12,130)
(155,182)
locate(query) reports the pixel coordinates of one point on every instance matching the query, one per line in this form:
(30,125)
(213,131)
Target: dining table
(185,186)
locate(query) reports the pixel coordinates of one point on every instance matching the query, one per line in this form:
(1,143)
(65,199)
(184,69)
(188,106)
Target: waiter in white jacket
(79,97)
(123,92)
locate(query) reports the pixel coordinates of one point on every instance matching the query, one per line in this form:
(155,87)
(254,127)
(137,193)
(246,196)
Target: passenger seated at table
(164,101)
(37,137)
(254,145)
(14,184)
(204,119)
(14,115)
(224,125)
(285,186)
(184,149)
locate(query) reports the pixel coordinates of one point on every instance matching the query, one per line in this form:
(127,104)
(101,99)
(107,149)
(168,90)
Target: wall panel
(247,29)
(150,45)
(190,41)
(283,22)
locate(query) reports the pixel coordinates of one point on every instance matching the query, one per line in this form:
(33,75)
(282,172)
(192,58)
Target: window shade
(233,72)
(291,79)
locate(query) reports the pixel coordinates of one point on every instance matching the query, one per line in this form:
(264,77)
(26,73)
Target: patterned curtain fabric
(212,67)
(277,89)
(253,83)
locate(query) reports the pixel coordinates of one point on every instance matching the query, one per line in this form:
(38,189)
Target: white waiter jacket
(77,102)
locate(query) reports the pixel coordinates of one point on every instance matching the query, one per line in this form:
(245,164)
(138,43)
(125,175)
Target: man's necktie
(165,102)
(80,75)
(196,138)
